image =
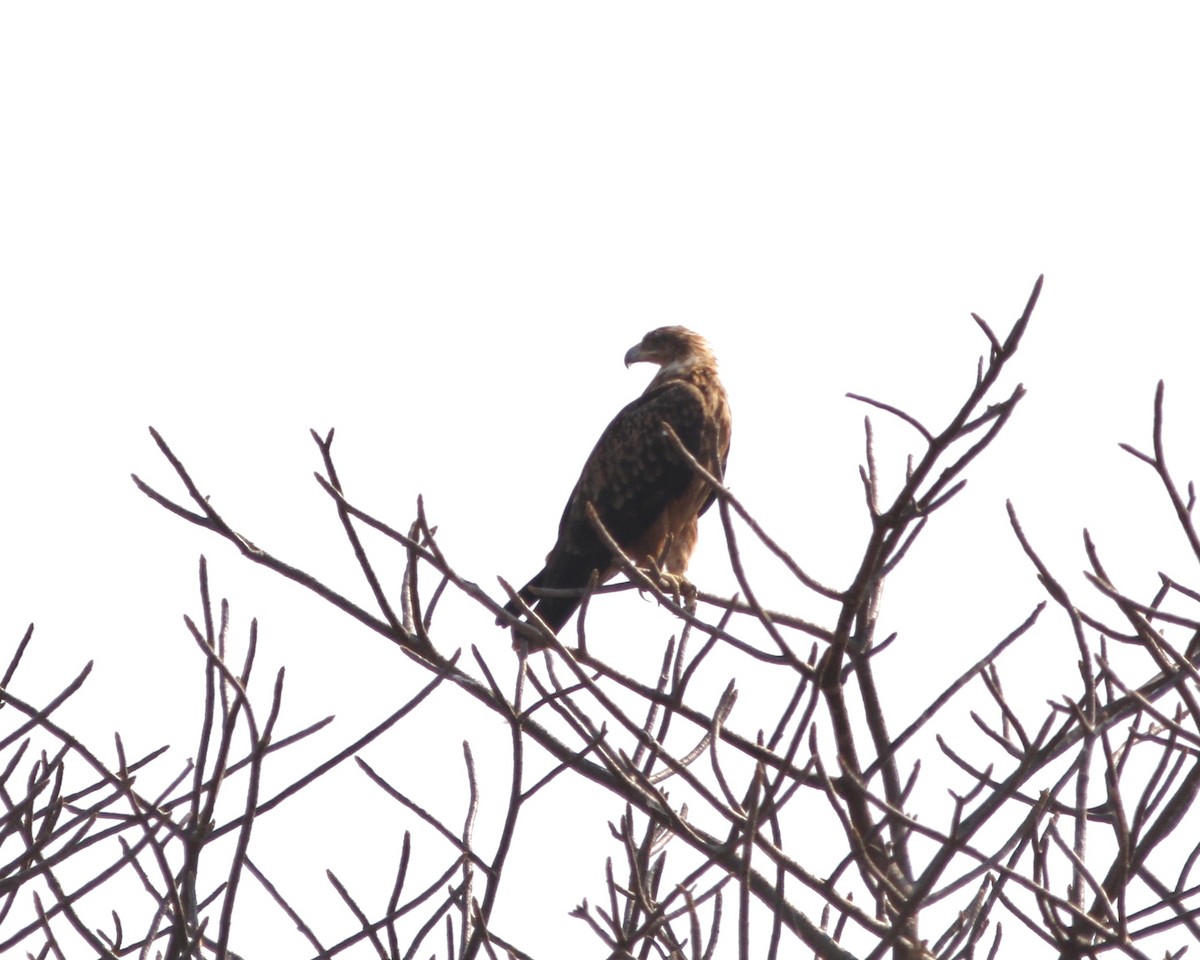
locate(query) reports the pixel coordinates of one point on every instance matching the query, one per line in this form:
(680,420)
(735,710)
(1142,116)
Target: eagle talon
(675,585)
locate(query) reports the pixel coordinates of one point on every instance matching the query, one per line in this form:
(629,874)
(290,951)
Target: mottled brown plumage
(644,491)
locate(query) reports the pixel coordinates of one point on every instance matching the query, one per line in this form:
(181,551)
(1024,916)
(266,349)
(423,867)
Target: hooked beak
(634,355)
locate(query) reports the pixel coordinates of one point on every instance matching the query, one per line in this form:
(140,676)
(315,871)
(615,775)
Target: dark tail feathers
(554,611)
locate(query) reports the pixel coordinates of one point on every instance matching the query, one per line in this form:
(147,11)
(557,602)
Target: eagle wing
(642,488)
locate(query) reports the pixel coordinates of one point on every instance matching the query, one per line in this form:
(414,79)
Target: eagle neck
(696,369)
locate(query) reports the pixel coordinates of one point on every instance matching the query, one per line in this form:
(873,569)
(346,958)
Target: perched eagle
(646,494)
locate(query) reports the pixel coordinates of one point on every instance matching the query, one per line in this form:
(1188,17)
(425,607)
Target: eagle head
(675,347)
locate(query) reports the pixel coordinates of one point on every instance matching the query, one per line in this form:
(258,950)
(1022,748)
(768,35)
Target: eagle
(643,490)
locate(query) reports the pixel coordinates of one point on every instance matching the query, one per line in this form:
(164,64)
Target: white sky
(437,228)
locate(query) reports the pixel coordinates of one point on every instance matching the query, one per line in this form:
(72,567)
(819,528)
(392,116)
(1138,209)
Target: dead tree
(1068,829)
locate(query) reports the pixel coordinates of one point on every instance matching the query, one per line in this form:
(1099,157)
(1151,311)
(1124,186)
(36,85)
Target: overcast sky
(438,228)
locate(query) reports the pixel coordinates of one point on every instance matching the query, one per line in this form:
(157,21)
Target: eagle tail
(526,594)
(554,611)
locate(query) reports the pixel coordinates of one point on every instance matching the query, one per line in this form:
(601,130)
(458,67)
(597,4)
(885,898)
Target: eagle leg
(679,587)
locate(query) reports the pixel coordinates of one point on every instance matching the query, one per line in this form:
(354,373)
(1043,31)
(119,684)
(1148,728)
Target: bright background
(437,228)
